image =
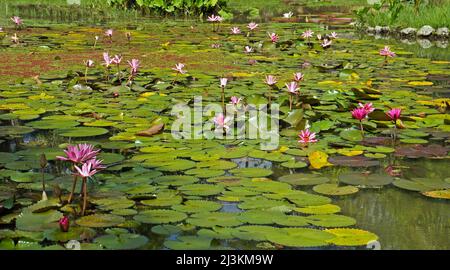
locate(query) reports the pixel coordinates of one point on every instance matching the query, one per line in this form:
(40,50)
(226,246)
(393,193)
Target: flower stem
(85,74)
(84,197)
(223,99)
(75,178)
(361,127)
(290,102)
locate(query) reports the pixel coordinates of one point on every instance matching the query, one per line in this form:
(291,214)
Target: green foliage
(170,7)
(401,13)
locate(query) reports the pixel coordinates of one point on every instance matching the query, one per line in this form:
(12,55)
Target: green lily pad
(176,180)
(160,216)
(189,243)
(201,189)
(365,180)
(331,220)
(195,206)
(166,229)
(300,237)
(82,132)
(74,233)
(334,189)
(251,172)
(100,220)
(351,237)
(319,209)
(164,199)
(124,241)
(303,179)
(353,135)
(211,219)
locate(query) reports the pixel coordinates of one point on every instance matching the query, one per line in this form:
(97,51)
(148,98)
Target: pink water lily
(252,26)
(359,113)
(79,153)
(109,33)
(386,52)
(64,224)
(17,20)
(368,107)
(248,49)
(307,137)
(326,43)
(107,60)
(179,68)
(117,59)
(307,34)
(223,82)
(214,18)
(134,64)
(86,170)
(215,45)
(394,114)
(298,76)
(333,35)
(273,37)
(235,30)
(292,87)
(235,100)
(222,122)
(270,80)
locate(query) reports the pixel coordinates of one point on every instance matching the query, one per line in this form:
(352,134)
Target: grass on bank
(433,15)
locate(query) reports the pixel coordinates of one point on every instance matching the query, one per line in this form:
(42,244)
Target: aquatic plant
(273,37)
(235,30)
(96,38)
(117,59)
(235,100)
(251,27)
(88,169)
(109,34)
(307,137)
(368,107)
(222,123)
(43,163)
(360,114)
(326,43)
(298,77)
(288,15)
(292,88)
(333,35)
(386,52)
(394,114)
(17,21)
(64,224)
(15,39)
(223,84)
(128,36)
(215,20)
(88,64)
(134,64)
(248,49)
(270,80)
(308,34)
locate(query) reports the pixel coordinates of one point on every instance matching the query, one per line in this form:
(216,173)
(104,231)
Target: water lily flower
(292,87)
(107,60)
(307,137)
(252,26)
(86,170)
(368,107)
(109,33)
(386,52)
(319,36)
(117,59)
(235,30)
(79,153)
(89,63)
(222,122)
(394,114)
(298,77)
(64,224)
(333,35)
(326,43)
(17,20)
(179,68)
(288,15)
(307,34)
(223,82)
(15,38)
(128,36)
(248,49)
(96,164)
(306,64)
(235,100)
(360,114)
(270,80)
(273,37)
(214,18)
(134,65)
(1,29)
(215,45)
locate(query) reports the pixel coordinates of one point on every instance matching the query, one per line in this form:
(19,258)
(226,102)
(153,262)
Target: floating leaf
(300,237)
(160,216)
(301,179)
(124,241)
(335,190)
(351,237)
(100,220)
(318,160)
(365,180)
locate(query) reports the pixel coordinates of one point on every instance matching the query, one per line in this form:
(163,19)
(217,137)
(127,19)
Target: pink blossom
(79,153)
(17,20)
(292,87)
(235,100)
(221,121)
(64,224)
(333,35)
(86,170)
(307,136)
(386,52)
(298,77)
(235,30)
(368,107)
(109,33)
(179,68)
(359,113)
(116,59)
(307,34)
(394,114)
(134,65)
(107,60)
(326,43)
(252,26)
(270,80)
(214,18)
(89,63)
(273,37)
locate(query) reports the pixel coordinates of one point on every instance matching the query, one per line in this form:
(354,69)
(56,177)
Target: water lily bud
(43,161)
(64,224)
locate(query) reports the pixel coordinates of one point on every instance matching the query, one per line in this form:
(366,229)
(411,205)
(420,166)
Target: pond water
(161,193)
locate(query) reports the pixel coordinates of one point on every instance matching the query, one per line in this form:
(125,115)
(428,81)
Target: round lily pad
(189,243)
(438,194)
(201,189)
(319,209)
(251,172)
(365,180)
(14,130)
(164,199)
(331,220)
(303,179)
(334,189)
(211,219)
(166,229)
(82,132)
(351,237)
(121,241)
(74,233)
(195,206)
(176,180)
(100,220)
(300,237)
(160,216)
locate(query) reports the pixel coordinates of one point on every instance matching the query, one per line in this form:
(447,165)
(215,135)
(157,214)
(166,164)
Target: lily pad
(124,241)
(100,220)
(300,237)
(335,190)
(351,237)
(365,180)
(303,179)
(160,216)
